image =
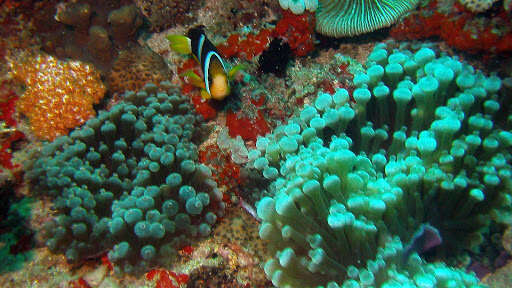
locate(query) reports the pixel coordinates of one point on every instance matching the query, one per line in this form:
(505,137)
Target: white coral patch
(477,5)
(299,6)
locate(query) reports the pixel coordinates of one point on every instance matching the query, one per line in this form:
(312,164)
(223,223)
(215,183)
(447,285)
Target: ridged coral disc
(340,18)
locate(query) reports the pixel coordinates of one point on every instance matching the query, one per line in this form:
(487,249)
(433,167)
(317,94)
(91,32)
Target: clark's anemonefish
(215,82)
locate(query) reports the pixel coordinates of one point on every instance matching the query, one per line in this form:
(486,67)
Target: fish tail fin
(205,94)
(193,78)
(180,44)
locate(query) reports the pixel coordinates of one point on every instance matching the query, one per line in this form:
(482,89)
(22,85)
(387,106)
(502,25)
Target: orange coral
(59,94)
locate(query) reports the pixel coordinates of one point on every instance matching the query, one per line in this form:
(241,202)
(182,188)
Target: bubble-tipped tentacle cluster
(352,181)
(128,181)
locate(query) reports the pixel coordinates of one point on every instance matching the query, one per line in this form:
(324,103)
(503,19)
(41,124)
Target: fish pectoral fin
(192,78)
(180,44)
(205,94)
(236,69)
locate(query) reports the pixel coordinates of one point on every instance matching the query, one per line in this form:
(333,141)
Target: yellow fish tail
(205,94)
(192,78)
(180,44)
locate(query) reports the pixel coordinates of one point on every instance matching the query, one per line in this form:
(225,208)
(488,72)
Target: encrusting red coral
(8,101)
(249,47)
(187,250)
(203,107)
(460,29)
(79,283)
(5,150)
(297,31)
(247,128)
(106,262)
(9,133)
(166,279)
(227,173)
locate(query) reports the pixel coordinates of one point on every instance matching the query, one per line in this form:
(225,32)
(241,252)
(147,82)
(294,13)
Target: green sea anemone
(355,183)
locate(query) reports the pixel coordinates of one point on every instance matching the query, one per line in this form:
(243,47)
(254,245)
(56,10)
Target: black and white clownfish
(215,81)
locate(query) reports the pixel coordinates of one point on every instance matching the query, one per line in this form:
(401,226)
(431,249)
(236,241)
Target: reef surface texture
(363,143)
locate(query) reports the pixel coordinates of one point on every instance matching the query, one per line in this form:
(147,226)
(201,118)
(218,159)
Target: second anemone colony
(128,182)
(363,183)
